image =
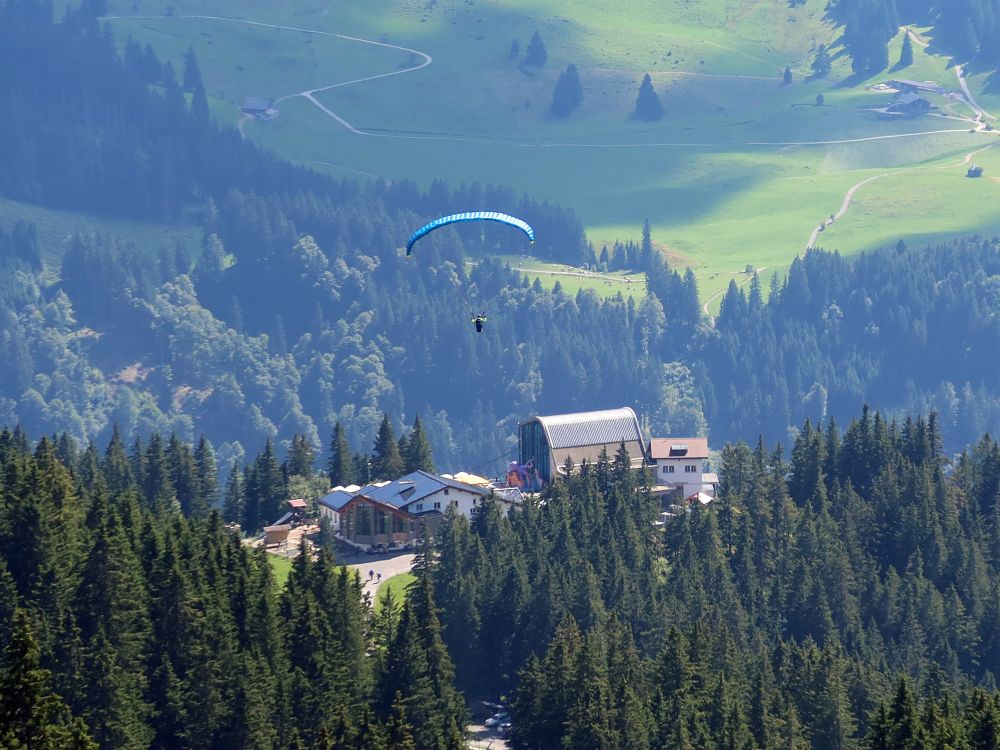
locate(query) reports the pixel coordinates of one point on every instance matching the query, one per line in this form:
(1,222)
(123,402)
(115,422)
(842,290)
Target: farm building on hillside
(910,103)
(912,87)
(906,104)
(259,107)
(546,443)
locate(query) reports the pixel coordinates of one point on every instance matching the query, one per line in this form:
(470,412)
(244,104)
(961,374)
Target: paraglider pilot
(479,320)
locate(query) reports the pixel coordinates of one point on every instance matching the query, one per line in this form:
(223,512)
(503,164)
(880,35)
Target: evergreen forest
(966,30)
(843,594)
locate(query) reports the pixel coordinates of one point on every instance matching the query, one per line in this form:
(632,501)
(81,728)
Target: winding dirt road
(309,94)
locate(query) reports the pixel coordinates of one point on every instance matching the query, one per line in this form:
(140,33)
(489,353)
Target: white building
(679,463)
(419,493)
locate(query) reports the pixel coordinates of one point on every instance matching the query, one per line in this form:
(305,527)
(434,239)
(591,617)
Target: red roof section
(678,448)
(297,503)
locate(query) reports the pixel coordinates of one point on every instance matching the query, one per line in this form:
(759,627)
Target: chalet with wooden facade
(393,514)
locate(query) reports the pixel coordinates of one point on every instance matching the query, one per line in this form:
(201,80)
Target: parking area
(489,727)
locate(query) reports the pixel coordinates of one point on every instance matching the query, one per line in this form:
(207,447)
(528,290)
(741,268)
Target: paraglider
(471,216)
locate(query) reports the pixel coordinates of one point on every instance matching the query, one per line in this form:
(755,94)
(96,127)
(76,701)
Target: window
(437,506)
(363,520)
(475,500)
(454,503)
(420,506)
(690,469)
(397,524)
(380,522)
(668,469)
(447,491)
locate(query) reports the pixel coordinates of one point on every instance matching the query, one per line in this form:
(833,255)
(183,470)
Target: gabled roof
(403,491)
(910,98)
(590,428)
(660,448)
(417,485)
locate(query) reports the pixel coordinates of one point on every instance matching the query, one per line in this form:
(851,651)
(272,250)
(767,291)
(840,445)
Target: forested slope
(785,614)
(124,624)
(843,596)
(966,30)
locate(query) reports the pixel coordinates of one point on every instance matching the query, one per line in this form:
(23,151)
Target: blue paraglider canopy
(471,216)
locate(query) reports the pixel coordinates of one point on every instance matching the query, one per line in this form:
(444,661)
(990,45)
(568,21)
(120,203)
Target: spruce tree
(206,478)
(821,65)
(419,669)
(418,456)
(339,466)
(647,103)
(232,506)
(906,53)
(786,77)
(301,457)
(387,463)
(183,475)
(536,54)
(515,49)
(400,732)
(568,93)
(192,71)
(31,715)
(116,466)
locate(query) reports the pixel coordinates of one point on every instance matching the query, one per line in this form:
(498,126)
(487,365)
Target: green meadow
(739,172)
(56,230)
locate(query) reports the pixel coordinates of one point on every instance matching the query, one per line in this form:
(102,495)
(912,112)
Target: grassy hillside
(56,230)
(739,172)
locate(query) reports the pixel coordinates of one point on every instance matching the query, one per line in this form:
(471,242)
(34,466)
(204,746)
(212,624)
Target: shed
(975,171)
(259,107)
(275,535)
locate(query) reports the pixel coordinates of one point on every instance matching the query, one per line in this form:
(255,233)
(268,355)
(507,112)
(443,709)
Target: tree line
(130,621)
(963,29)
(840,595)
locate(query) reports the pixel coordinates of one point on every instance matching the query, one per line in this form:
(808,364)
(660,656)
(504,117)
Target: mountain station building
(547,442)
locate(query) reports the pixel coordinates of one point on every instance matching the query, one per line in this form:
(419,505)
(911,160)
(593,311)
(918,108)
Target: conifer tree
(301,457)
(232,506)
(387,464)
(419,669)
(192,71)
(116,466)
(183,475)
(339,466)
(568,93)
(536,54)
(156,485)
(418,455)
(647,103)
(906,53)
(400,732)
(206,478)
(515,49)
(31,715)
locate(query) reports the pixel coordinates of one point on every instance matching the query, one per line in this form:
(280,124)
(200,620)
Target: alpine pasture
(739,172)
